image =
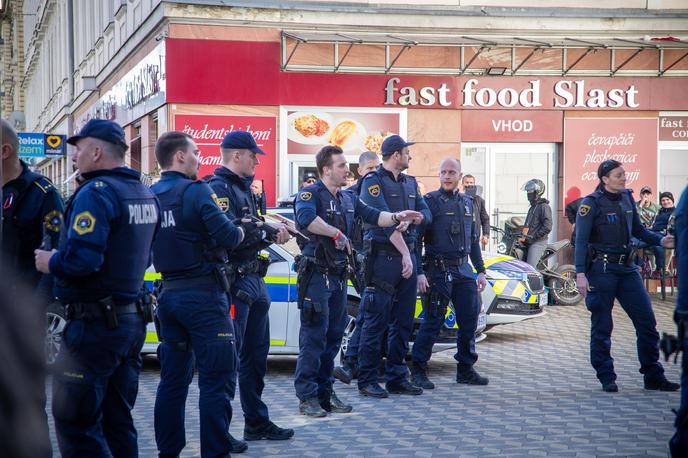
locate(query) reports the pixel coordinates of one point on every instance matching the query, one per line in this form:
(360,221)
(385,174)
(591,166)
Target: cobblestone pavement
(543,400)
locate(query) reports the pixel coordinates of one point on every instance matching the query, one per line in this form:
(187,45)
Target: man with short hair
(190,253)
(390,296)
(249,295)
(31,211)
(482,219)
(326,214)
(450,239)
(308,179)
(105,250)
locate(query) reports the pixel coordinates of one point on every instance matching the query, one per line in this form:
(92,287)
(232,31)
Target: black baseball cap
(240,139)
(102,129)
(309,175)
(394,143)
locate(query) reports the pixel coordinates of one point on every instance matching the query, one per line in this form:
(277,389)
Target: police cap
(102,129)
(240,139)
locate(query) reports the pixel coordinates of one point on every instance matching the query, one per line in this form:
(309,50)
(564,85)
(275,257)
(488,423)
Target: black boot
(347,371)
(419,376)
(237,446)
(269,431)
(334,404)
(467,375)
(311,407)
(404,387)
(661,384)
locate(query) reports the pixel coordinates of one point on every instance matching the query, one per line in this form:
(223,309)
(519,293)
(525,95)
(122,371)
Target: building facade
(515,92)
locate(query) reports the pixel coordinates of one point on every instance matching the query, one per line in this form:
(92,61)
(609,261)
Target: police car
(516,293)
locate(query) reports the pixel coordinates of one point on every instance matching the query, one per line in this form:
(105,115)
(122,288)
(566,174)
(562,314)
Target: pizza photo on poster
(308,129)
(209,130)
(590,141)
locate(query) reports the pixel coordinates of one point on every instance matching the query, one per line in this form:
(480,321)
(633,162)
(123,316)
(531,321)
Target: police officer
(191,252)
(367,162)
(32,216)
(32,210)
(104,252)
(679,443)
(232,184)
(446,276)
(606,221)
(390,297)
(327,214)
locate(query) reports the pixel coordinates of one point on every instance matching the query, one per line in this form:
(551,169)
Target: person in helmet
(538,222)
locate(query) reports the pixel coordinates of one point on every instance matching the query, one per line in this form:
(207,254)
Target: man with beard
(390,296)
(327,214)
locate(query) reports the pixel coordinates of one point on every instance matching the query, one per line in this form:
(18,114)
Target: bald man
(450,239)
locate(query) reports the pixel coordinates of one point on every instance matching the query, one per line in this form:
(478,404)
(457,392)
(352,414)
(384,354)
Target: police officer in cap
(390,297)
(32,216)
(232,184)
(606,221)
(104,251)
(450,239)
(195,326)
(679,443)
(327,215)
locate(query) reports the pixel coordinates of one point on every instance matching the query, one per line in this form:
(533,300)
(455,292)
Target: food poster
(209,130)
(591,141)
(308,130)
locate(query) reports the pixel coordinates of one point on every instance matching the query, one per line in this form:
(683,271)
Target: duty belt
(195,282)
(337,271)
(387,249)
(91,310)
(611,258)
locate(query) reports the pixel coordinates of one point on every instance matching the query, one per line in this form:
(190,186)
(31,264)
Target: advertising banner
(209,130)
(309,129)
(39,145)
(590,141)
(673,128)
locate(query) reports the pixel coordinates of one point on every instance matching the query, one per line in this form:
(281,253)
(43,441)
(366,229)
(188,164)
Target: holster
(369,253)
(304,273)
(223,275)
(263,264)
(245,297)
(107,306)
(146,306)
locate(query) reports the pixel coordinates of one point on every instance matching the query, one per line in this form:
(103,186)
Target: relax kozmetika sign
(33,144)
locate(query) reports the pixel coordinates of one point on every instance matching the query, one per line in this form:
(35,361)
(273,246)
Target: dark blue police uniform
(250,297)
(604,226)
(105,249)
(193,309)
(390,299)
(32,209)
(322,287)
(449,241)
(679,443)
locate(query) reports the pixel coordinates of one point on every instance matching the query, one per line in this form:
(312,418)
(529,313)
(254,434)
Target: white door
(502,169)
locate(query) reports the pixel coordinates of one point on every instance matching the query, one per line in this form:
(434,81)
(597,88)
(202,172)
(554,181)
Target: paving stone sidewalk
(543,400)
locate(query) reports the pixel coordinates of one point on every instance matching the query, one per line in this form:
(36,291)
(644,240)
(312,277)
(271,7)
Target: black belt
(90,310)
(388,249)
(195,282)
(611,258)
(455,262)
(337,271)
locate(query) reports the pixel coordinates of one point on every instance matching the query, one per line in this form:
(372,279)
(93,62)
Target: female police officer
(606,221)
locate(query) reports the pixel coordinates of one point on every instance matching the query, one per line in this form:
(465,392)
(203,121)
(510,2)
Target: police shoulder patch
(216,200)
(584,210)
(53,221)
(84,223)
(305,195)
(374,190)
(223,203)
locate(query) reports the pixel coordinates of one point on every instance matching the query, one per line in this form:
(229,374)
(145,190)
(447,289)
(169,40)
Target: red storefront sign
(673,128)
(590,141)
(511,126)
(208,132)
(256,79)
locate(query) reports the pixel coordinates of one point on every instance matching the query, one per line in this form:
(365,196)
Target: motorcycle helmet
(535,189)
